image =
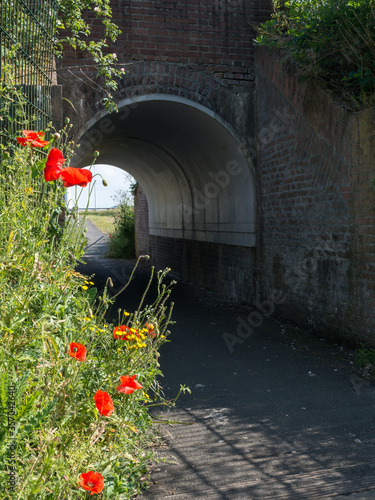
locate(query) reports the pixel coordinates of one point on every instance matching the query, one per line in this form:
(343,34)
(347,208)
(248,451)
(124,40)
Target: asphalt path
(279,413)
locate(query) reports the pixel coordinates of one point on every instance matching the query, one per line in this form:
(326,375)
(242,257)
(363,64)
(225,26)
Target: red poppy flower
(92,481)
(53,165)
(75,176)
(77,351)
(104,403)
(122,328)
(151,330)
(34,139)
(128,384)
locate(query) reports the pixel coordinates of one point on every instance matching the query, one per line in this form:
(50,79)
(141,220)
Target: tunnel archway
(198,182)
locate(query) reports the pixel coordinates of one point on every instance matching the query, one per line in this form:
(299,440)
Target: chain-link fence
(27,38)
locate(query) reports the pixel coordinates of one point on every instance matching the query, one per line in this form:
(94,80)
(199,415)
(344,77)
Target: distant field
(103,219)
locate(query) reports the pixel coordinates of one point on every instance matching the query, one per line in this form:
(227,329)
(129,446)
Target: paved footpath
(97,242)
(285,415)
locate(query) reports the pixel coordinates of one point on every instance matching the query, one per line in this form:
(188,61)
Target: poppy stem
(129,280)
(31,155)
(124,404)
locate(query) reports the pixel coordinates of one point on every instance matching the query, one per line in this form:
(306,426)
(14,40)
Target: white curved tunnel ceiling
(197,181)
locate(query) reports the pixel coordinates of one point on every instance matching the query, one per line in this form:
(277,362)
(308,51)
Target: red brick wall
(214,36)
(316,205)
(228,270)
(362,229)
(142,237)
(201,50)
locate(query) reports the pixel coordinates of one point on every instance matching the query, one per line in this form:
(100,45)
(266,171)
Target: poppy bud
(56,136)
(105,183)
(6,154)
(67,121)
(96,154)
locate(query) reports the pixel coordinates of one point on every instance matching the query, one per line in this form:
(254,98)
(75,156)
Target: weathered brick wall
(226,269)
(141,228)
(201,50)
(214,36)
(362,211)
(316,224)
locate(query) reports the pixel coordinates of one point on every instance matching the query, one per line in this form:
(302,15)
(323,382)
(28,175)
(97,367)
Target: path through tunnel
(198,183)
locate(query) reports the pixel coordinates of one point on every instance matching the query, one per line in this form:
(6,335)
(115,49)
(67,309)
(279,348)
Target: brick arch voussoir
(146,78)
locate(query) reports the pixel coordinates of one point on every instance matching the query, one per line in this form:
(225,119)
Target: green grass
(104,222)
(122,244)
(101,213)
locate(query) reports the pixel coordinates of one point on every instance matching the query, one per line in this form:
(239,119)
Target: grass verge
(74,388)
(104,222)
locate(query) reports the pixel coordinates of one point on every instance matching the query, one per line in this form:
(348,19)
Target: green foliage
(57,431)
(122,242)
(366,358)
(75,29)
(331,41)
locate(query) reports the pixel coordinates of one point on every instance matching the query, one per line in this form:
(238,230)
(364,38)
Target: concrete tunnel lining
(196,178)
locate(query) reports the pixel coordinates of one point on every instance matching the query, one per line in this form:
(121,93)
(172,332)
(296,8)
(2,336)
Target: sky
(101,196)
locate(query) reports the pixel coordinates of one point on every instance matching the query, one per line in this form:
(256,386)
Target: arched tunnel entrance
(198,183)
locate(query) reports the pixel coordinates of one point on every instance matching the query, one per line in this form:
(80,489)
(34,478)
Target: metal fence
(27,39)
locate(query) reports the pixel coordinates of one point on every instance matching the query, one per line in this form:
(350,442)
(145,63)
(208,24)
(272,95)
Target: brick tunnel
(184,130)
(197,104)
(198,181)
